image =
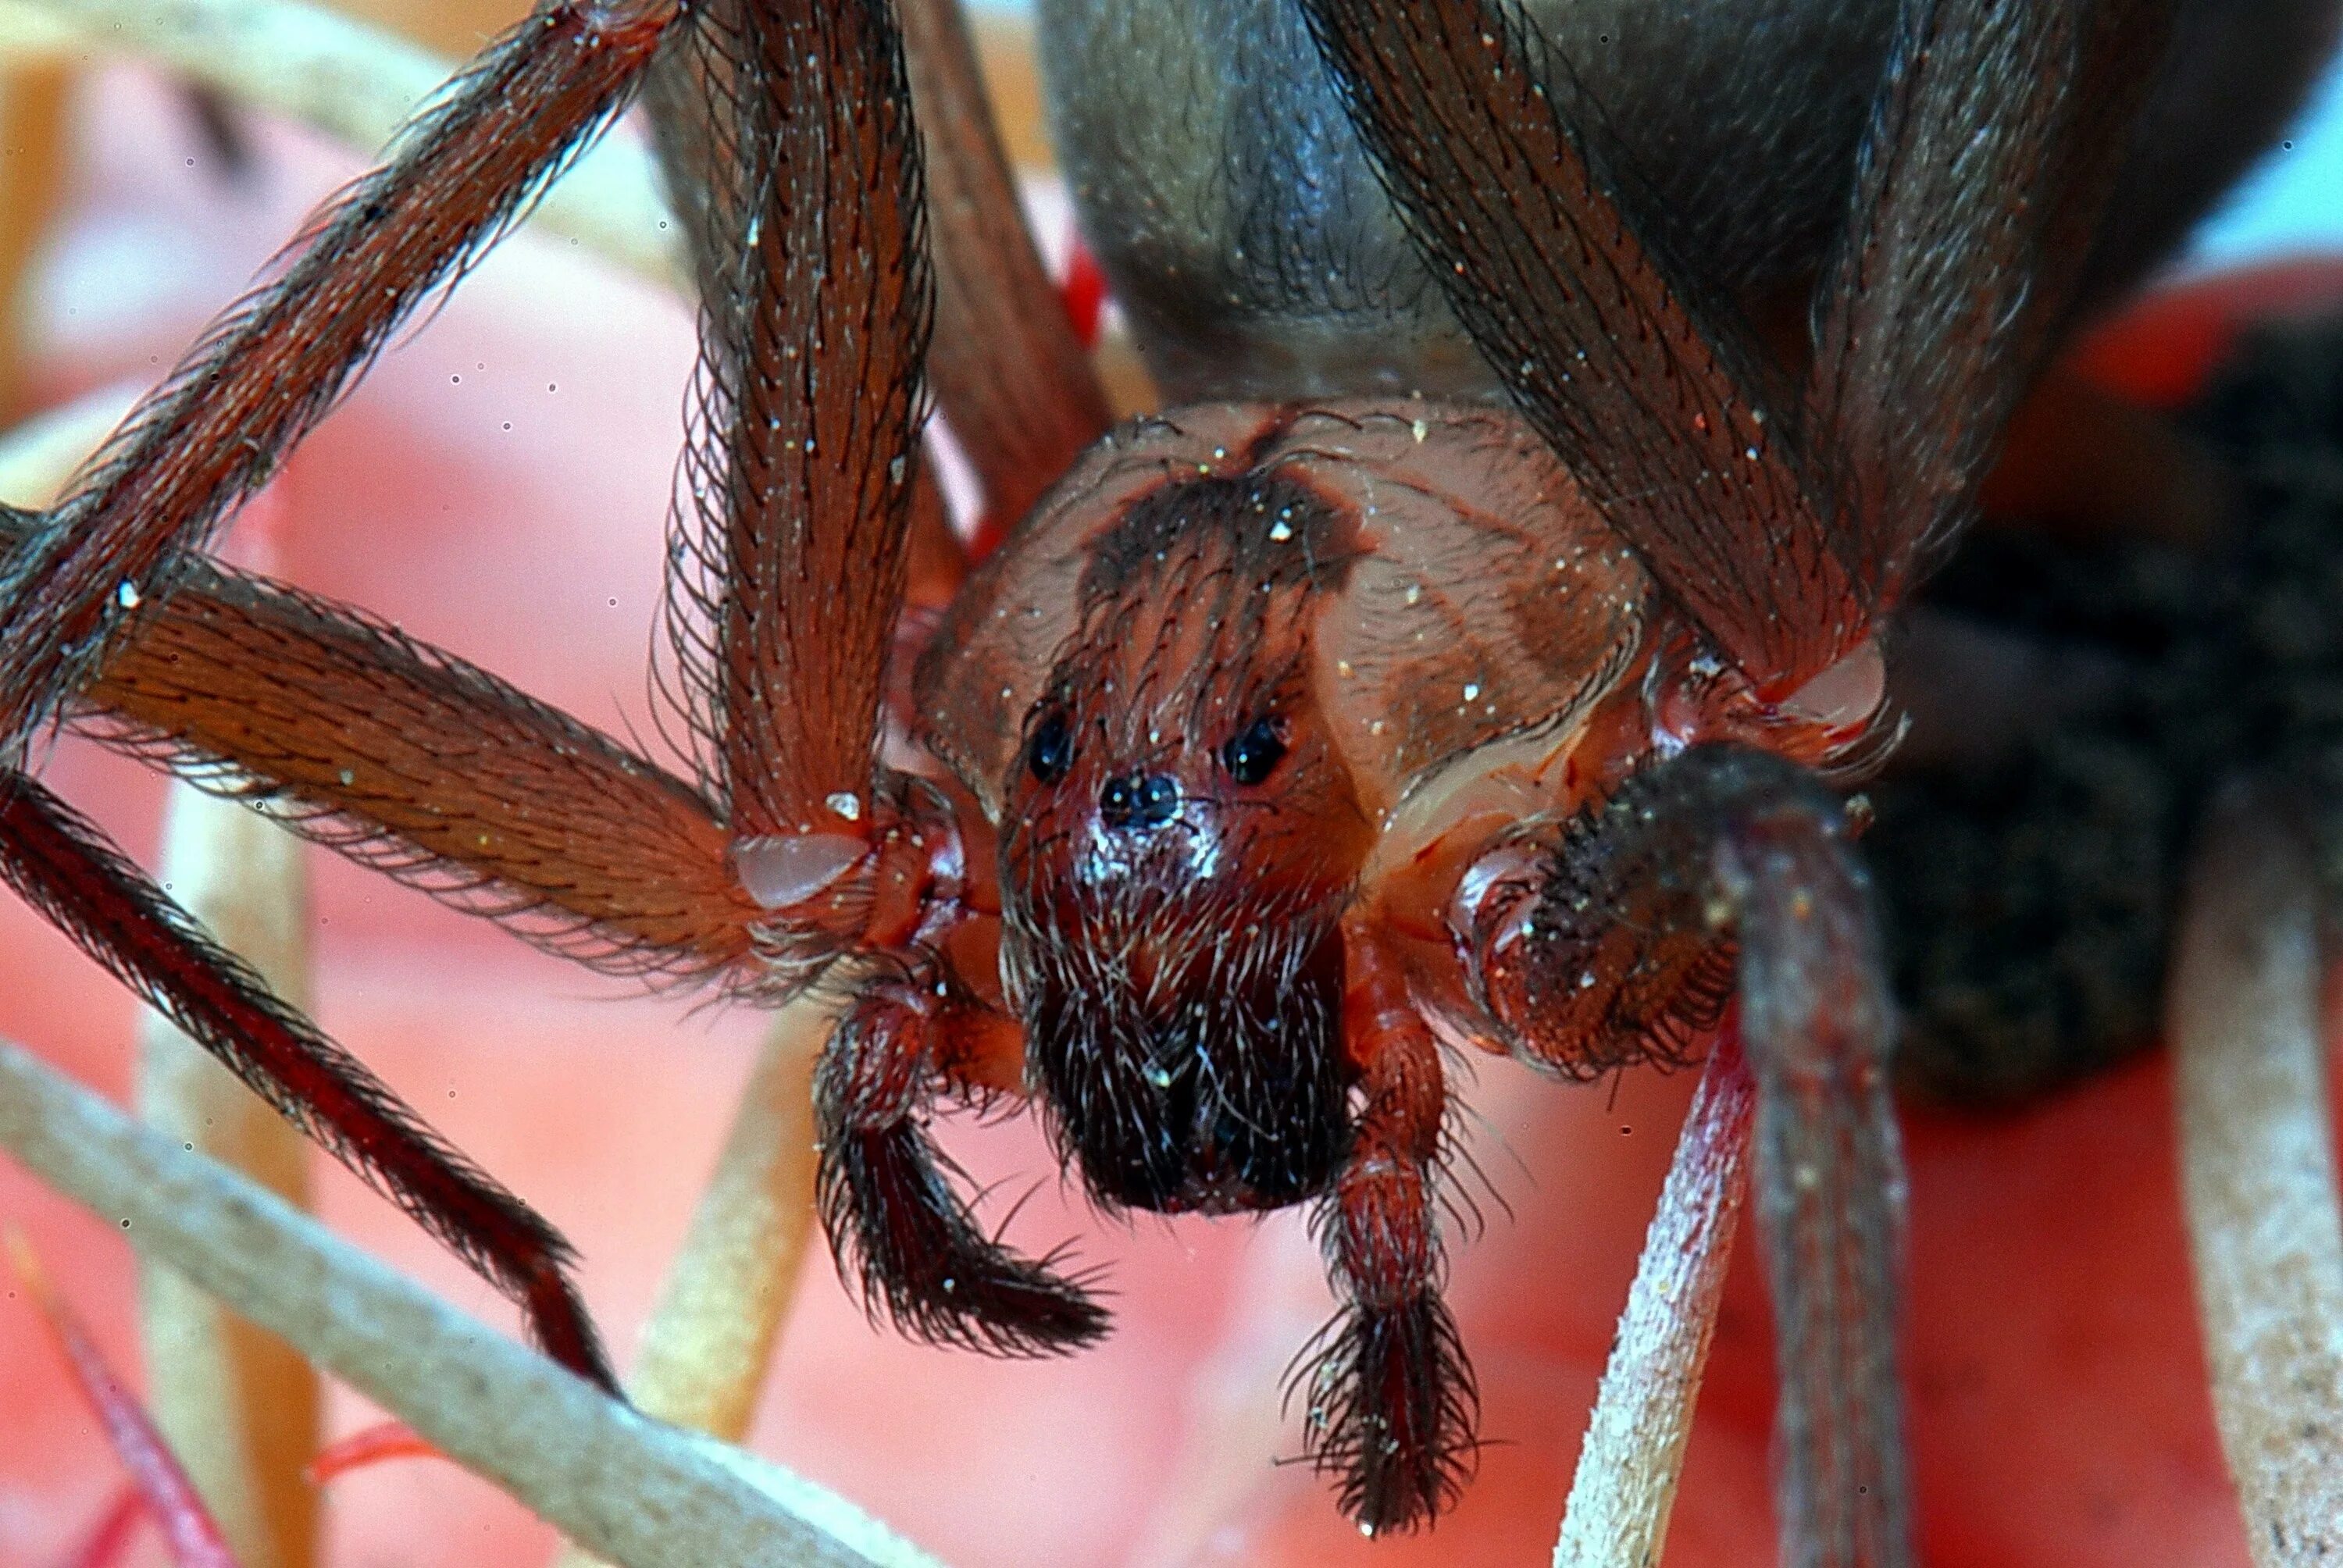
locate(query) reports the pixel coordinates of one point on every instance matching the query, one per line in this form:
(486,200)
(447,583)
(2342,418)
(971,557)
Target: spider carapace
(1601,381)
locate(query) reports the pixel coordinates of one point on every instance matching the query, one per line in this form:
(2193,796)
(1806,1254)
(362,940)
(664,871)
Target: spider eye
(1255,753)
(1051,751)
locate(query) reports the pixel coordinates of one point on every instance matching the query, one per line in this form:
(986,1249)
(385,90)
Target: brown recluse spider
(1465,657)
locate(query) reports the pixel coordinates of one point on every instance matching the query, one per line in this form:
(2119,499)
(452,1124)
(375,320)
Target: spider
(1420,700)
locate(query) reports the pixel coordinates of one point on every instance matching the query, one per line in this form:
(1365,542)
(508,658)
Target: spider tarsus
(1393,1411)
(899,1230)
(558,1321)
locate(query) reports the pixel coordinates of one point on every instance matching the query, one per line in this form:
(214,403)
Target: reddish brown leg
(1007,369)
(1727,856)
(1392,1404)
(62,866)
(1647,399)
(271,368)
(939,564)
(895,1225)
(787,132)
(428,768)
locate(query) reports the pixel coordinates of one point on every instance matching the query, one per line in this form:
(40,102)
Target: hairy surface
(1605,951)
(789,135)
(62,865)
(898,1231)
(269,368)
(1177,963)
(345,729)
(1216,1023)
(1391,1407)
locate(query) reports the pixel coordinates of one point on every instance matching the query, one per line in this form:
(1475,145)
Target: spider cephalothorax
(1284,745)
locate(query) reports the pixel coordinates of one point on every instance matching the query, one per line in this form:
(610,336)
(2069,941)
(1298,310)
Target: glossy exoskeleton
(1604,375)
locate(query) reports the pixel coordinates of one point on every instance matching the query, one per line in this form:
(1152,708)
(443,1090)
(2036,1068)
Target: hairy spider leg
(897,1228)
(1008,372)
(269,368)
(436,772)
(207,437)
(59,863)
(793,552)
(430,769)
(1486,155)
(1392,1403)
(797,165)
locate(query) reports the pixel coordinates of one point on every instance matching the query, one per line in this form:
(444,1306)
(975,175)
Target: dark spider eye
(1051,751)
(1255,753)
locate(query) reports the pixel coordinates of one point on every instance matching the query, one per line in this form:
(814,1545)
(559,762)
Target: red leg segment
(894,1222)
(801,169)
(1010,373)
(431,770)
(62,866)
(271,368)
(1392,1401)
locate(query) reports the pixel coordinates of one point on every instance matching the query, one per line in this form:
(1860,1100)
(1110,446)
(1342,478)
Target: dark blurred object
(2030,863)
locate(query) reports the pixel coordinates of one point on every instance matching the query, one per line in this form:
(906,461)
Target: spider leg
(419,764)
(1495,165)
(269,368)
(1392,1401)
(1011,376)
(894,1222)
(940,563)
(427,768)
(1727,856)
(787,132)
(1995,141)
(798,162)
(1783,519)
(64,866)
(1817,1023)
